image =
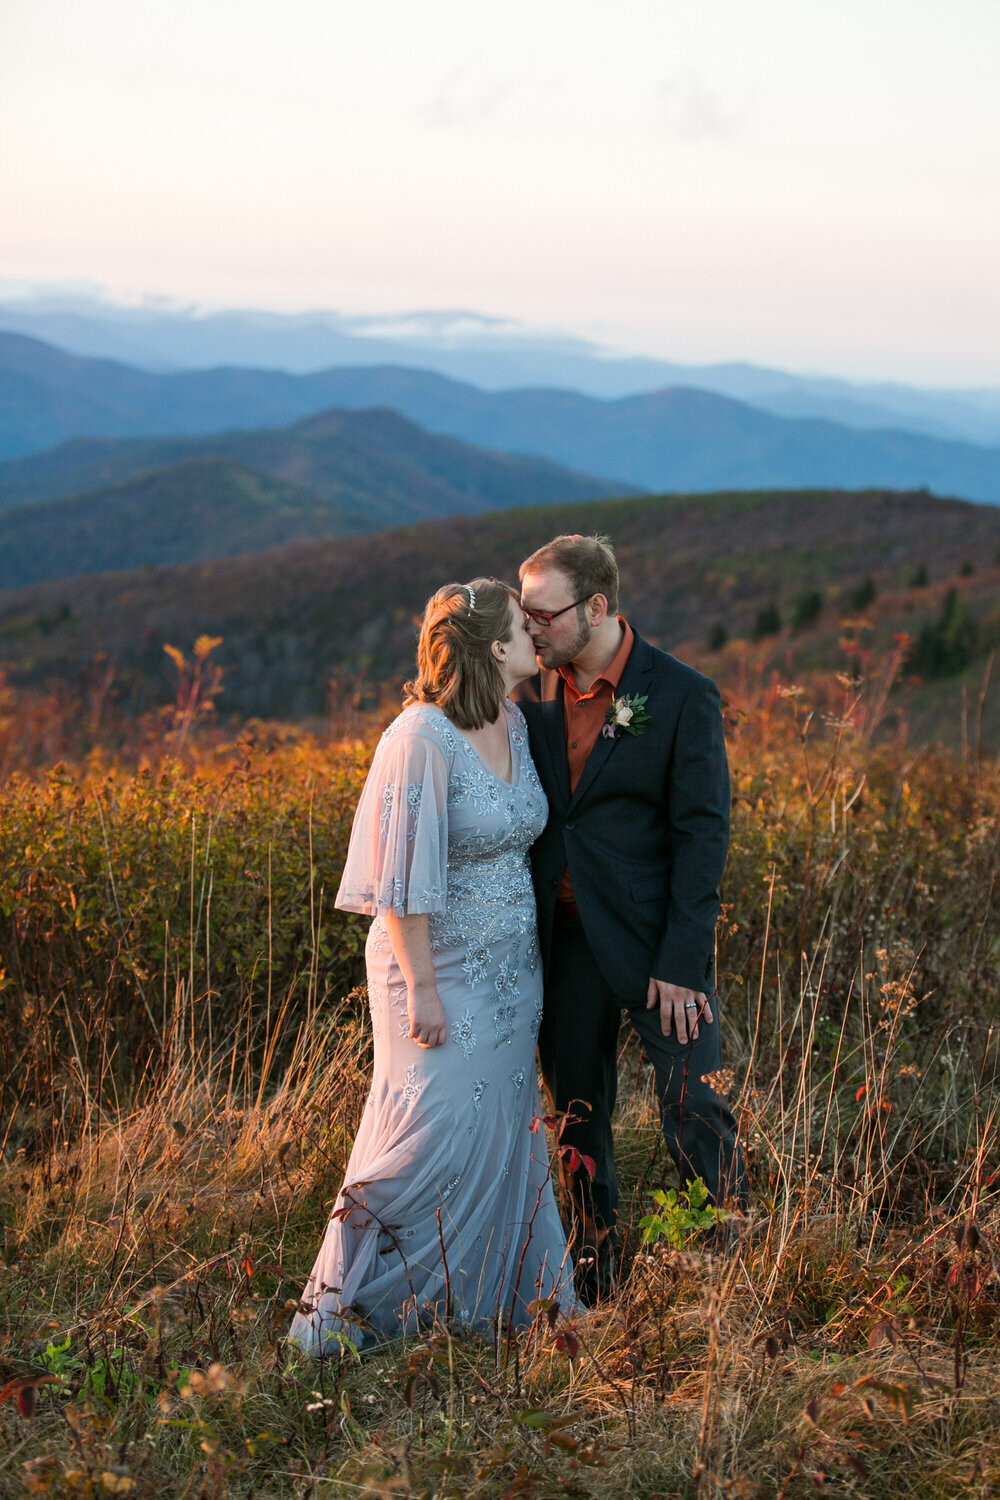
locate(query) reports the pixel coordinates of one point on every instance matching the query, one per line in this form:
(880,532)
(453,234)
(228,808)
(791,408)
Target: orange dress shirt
(584,714)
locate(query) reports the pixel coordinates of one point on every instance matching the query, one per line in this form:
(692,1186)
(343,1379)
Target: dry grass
(157,1259)
(157,1231)
(837,1340)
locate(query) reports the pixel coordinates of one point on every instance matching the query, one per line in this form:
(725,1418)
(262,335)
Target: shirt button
(573,746)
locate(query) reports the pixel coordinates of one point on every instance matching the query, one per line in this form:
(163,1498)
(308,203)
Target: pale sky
(815,186)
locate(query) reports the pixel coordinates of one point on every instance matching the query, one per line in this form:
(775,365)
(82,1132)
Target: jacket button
(569,827)
(554,884)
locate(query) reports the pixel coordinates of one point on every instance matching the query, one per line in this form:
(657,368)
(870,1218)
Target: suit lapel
(634,680)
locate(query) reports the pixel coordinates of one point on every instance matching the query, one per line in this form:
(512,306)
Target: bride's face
(519,651)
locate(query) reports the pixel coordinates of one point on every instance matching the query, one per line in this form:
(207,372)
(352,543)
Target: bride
(447,1205)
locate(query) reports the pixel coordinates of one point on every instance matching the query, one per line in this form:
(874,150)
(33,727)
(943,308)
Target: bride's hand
(428,1026)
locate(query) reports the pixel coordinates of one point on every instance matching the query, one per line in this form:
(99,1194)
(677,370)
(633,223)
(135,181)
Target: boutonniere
(626,716)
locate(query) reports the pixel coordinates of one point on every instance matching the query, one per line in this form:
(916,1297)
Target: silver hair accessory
(472,597)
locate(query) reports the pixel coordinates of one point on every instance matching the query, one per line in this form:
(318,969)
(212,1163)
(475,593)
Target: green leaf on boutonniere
(627,715)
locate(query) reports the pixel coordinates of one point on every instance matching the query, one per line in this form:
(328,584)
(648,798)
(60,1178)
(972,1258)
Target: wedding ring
(690,1005)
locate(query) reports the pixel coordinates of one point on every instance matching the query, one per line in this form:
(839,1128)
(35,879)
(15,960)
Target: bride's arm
(411,942)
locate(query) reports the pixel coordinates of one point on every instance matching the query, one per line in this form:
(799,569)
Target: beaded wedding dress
(447,1205)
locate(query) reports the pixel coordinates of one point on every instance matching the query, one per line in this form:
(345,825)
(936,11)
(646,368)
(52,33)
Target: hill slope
(296,615)
(671,439)
(336,474)
(201,509)
(376,461)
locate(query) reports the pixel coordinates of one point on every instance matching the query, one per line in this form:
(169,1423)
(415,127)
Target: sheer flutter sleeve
(397,860)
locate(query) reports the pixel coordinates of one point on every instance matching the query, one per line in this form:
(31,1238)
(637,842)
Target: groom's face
(561,641)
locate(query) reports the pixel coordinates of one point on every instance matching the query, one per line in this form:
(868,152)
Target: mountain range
(491,353)
(92,507)
(671,439)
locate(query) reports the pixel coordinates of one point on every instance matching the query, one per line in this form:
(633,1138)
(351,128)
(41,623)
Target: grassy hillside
(693,569)
(184,1056)
(184,1067)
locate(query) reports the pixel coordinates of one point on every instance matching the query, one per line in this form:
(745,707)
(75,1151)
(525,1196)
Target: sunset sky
(811,186)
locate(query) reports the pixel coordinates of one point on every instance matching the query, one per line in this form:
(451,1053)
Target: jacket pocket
(650,888)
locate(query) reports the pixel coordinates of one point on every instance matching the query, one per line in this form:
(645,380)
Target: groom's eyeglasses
(545,617)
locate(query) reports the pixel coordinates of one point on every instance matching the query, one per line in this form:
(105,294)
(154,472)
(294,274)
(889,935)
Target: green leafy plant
(107,1376)
(59,1360)
(682,1215)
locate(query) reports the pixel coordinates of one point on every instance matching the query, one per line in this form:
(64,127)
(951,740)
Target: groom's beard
(552,657)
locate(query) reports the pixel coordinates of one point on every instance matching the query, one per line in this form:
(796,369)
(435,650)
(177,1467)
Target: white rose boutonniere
(626,716)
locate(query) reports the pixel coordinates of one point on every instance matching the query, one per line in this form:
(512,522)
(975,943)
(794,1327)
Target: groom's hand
(680,1009)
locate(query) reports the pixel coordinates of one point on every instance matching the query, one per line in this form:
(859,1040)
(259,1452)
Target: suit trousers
(578,1051)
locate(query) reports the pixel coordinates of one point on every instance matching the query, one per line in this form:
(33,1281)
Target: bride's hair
(455,666)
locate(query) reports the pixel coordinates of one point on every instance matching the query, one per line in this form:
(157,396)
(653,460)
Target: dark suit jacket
(646,832)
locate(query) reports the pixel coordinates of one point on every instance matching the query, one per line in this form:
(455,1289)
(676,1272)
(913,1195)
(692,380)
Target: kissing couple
(539,843)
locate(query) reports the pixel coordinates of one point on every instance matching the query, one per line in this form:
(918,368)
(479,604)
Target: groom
(629,746)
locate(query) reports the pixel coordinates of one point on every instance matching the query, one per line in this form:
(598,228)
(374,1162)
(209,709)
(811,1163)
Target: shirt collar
(612,674)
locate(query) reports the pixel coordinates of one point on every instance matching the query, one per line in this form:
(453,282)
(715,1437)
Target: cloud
(692,110)
(439,323)
(466,97)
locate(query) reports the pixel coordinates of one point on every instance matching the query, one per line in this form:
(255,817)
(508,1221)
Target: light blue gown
(448,1188)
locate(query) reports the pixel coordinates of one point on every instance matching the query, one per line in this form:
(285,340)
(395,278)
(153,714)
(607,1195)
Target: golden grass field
(183,1059)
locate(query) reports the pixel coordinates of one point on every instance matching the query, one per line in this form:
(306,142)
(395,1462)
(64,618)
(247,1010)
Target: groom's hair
(587,561)
(455,665)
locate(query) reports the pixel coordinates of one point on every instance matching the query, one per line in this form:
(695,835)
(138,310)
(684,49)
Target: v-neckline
(515,766)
